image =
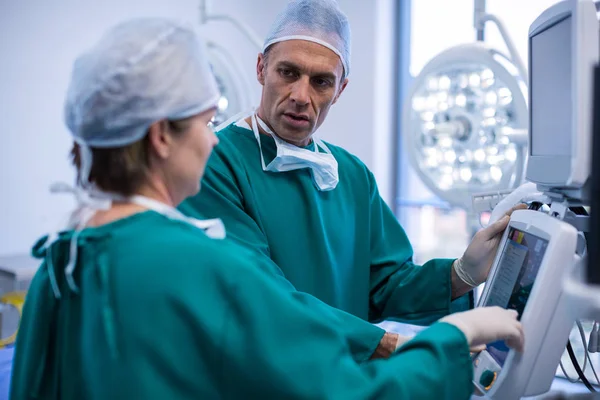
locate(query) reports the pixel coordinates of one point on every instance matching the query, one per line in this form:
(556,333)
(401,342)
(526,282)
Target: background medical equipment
(535,249)
(560,154)
(465,118)
(583,285)
(237,94)
(16,273)
(545,244)
(592,271)
(563,47)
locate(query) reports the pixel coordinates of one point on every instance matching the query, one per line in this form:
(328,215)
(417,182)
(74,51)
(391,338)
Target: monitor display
(519,264)
(551,95)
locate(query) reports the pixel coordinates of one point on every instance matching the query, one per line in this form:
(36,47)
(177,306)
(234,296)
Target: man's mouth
(297,117)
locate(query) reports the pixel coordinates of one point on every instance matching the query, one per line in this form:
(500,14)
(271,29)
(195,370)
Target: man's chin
(295,136)
(297,140)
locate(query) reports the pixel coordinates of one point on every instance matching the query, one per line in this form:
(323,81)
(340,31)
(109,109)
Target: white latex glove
(403,339)
(474,266)
(504,207)
(485,325)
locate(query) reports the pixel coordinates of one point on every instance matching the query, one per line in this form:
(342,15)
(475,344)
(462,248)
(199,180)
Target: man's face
(301,80)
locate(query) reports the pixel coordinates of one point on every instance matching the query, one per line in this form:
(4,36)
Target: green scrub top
(344,246)
(164,312)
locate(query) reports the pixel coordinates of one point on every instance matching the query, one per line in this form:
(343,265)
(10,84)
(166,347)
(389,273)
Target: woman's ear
(160,139)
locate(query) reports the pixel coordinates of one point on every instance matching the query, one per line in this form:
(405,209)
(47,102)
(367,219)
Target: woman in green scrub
(136,301)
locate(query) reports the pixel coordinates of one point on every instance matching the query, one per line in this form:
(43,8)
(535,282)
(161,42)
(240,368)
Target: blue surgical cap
(141,71)
(318,21)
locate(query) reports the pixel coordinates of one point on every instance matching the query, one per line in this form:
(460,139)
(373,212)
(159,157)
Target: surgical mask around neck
(323,166)
(213,228)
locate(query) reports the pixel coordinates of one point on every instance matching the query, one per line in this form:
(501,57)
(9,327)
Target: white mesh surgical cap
(319,21)
(140,72)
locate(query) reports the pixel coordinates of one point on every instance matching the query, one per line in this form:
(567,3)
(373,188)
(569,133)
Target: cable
(585,346)
(564,371)
(585,359)
(578,368)
(586,353)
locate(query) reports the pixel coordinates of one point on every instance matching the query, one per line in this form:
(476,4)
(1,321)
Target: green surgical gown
(344,246)
(164,312)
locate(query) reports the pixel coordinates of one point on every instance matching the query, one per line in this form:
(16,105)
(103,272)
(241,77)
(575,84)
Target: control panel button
(487,379)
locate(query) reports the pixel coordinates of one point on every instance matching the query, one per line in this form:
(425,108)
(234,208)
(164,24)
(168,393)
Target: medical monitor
(511,286)
(593,245)
(563,48)
(534,255)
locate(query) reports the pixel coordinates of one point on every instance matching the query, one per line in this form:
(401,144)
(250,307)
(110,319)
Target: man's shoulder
(233,134)
(347,160)
(235,142)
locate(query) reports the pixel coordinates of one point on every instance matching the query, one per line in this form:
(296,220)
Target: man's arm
(400,289)
(221,197)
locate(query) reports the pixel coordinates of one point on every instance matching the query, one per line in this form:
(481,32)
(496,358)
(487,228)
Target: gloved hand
(403,339)
(485,325)
(474,266)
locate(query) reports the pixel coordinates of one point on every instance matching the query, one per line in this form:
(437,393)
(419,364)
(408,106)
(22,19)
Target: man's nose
(300,91)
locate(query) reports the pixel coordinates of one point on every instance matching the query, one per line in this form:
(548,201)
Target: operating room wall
(40,39)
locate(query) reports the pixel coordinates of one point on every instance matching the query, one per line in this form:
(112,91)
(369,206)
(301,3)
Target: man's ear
(261,66)
(342,87)
(160,139)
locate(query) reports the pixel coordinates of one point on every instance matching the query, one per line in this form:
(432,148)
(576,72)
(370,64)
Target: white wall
(39,40)
(439,24)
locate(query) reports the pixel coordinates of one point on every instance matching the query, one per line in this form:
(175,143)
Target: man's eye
(322,82)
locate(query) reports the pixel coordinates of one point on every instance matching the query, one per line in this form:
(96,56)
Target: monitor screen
(518,267)
(551,102)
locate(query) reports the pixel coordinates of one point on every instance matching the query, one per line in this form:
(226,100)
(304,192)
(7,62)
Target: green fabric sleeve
(363,337)
(295,354)
(220,195)
(399,289)
(31,358)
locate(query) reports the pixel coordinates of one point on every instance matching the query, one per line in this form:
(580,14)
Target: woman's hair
(122,170)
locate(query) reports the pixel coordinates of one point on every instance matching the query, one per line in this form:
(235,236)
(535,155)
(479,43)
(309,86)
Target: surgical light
(466,105)
(223,103)
(236,91)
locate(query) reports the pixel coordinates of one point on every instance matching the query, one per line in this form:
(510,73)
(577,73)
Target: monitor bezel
(569,171)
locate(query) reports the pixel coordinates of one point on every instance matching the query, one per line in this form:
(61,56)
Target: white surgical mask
(213,228)
(323,166)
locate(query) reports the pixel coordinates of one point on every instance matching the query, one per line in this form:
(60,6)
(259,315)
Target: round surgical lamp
(465,123)
(235,91)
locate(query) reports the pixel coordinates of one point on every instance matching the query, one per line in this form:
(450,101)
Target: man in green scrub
(314,208)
